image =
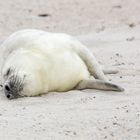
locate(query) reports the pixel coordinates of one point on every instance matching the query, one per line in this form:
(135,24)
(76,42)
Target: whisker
(16,83)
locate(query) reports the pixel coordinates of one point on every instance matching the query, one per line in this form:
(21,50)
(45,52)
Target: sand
(70,16)
(114,38)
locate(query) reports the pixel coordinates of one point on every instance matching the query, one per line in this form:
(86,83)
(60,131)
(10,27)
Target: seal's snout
(8,92)
(9,96)
(13,86)
(7,88)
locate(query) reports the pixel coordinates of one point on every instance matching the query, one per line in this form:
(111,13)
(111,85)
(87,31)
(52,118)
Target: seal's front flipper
(98,84)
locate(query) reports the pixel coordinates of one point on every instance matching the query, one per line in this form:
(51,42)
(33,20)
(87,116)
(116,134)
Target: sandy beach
(111,30)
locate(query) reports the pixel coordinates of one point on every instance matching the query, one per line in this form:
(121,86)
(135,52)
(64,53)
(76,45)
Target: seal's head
(23,75)
(13,84)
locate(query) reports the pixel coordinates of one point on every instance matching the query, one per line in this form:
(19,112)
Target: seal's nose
(8,96)
(8,92)
(7,88)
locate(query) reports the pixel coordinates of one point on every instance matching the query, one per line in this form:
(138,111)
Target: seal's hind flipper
(110,71)
(98,84)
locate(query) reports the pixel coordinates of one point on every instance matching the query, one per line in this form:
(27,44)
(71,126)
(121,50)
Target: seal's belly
(64,71)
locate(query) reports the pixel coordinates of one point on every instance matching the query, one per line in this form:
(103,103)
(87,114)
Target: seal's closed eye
(8,72)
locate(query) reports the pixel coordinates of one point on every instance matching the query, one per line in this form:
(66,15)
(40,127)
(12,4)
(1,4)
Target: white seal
(34,62)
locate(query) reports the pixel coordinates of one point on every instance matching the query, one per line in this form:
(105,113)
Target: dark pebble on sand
(117,54)
(131,25)
(117,6)
(130,38)
(43,15)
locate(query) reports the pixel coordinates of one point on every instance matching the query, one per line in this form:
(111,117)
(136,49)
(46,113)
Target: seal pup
(35,62)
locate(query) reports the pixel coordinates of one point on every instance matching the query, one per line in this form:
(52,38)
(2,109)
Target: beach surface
(111,30)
